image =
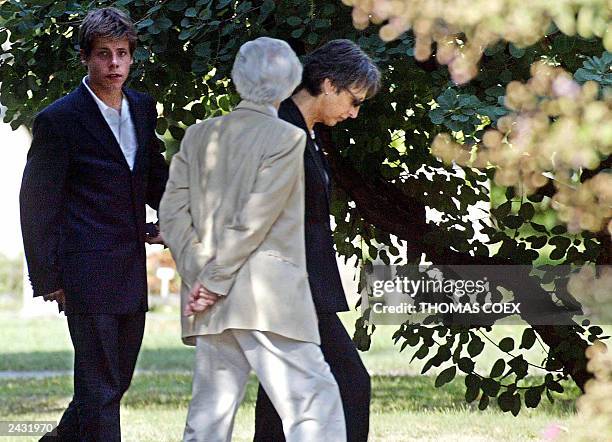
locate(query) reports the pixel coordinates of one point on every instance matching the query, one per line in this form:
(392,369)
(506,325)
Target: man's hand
(200,298)
(58,296)
(159,239)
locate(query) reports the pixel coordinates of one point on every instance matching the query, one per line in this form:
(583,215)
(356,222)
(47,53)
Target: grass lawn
(405,405)
(44,344)
(404,408)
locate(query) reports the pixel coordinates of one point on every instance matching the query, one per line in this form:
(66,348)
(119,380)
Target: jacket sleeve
(174,213)
(158,168)
(276,178)
(41,201)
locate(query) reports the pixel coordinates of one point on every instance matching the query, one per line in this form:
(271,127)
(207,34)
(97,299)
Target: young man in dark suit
(93,165)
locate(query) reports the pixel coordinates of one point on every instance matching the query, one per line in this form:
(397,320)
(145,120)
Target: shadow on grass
(418,393)
(173,390)
(179,358)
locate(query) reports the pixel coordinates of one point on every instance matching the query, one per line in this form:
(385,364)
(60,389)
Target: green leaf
(595,330)
(145,23)
(294,21)
(202,49)
(505,76)
(505,401)
(526,211)
(154,29)
(163,23)
(266,8)
(506,344)
(490,387)
(297,33)
(430,363)
(177,132)
(498,368)
(475,346)
(515,408)
(554,386)
(561,244)
(559,230)
(536,198)
(472,382)
(533,396)
(186,33)
(539,227)
(224,103)
(312,38)
(466,365)
(448,99)
(528,339)
(446,376)
(421,353)
(562,43)
(537,242)
(519,366)
(598,69)
(177,5)
(191,12)
(328,9)
(513,221)
(484,402)
(162,126)
(58,9)
(469,101)
(198,110)
(516,52)
(322,23)
(141,54)
(223,3)
(495,91)
(437,115)
(503,210)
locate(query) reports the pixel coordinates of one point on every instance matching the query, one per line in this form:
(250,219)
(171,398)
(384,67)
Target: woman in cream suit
(233,217)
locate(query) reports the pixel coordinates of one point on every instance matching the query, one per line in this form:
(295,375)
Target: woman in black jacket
(337,78)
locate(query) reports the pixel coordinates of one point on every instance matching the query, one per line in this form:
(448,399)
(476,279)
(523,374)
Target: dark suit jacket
(83,210)
(323,274)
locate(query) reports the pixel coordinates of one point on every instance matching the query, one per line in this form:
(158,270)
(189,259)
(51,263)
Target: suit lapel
(323,161)
(291,113)
(318,160)
(93,121)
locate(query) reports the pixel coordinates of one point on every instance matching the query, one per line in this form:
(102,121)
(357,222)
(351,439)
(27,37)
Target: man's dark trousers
(105,351)
(329,298)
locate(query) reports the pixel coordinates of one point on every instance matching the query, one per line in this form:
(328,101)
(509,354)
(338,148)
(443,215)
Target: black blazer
(323,274)
(83,209)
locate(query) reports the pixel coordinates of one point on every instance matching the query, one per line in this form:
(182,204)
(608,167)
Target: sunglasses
(356,100)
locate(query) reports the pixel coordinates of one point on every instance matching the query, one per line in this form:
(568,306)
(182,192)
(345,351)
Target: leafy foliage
(597,69)
(184,59)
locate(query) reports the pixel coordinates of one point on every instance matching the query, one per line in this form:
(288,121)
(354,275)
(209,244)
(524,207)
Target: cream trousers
(294,374)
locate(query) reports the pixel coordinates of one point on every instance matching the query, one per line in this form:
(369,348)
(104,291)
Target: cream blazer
(233,218)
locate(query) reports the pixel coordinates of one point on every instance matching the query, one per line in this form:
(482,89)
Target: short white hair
(266,71)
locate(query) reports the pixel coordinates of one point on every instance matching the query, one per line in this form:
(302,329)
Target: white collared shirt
(120,123)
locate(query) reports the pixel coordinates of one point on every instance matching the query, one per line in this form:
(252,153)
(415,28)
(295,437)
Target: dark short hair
(344,64)
(106,23)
